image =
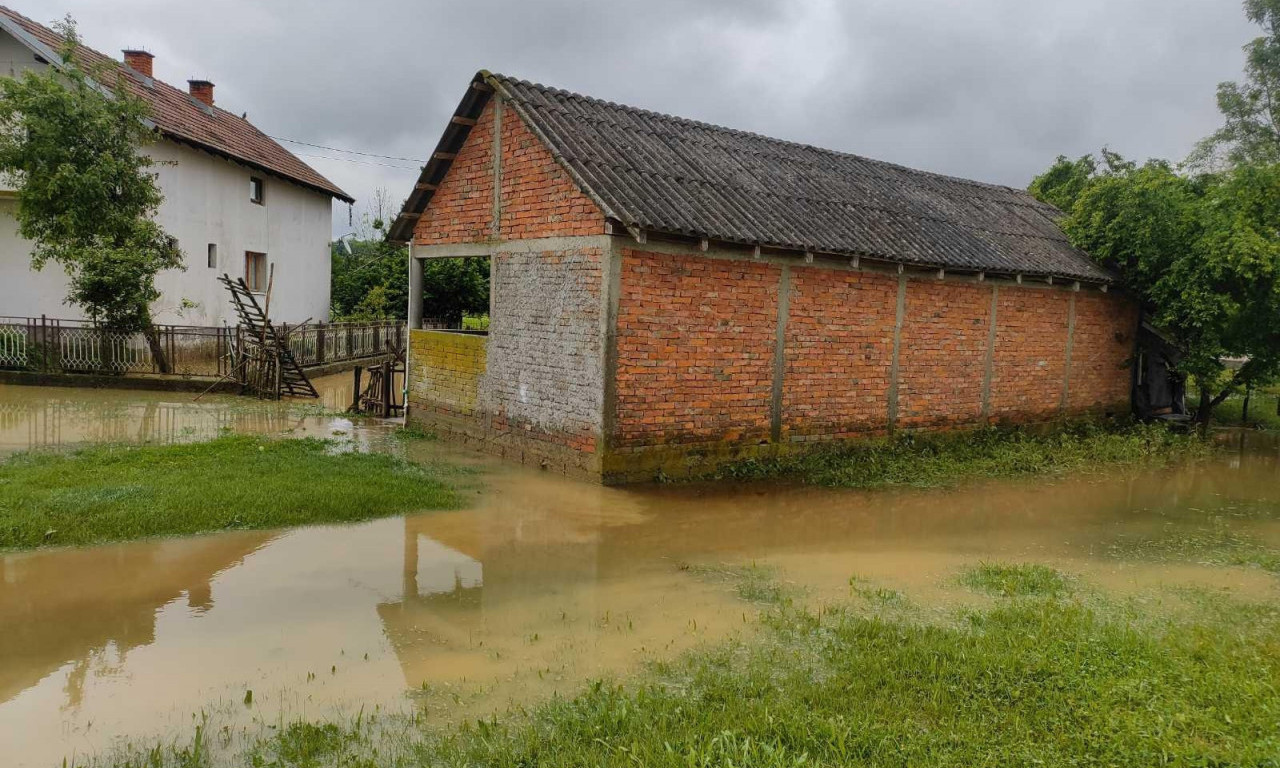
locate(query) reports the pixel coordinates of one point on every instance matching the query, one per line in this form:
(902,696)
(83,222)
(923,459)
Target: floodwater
(541,584)
(54,417)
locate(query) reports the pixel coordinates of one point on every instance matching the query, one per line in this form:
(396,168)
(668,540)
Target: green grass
(930,460)
(1217,544)
(114,493)
(1019,580)
(1262,411)
(1035,681)
(752,582)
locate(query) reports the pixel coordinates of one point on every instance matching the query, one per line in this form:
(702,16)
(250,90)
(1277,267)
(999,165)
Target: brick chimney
(201,90)
(139,61)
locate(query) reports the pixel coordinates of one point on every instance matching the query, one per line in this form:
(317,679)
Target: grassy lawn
(1046,675)
(925,460)
(114,493)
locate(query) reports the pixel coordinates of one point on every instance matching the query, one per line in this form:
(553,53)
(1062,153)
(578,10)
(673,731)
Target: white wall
(206,201)
(14,56)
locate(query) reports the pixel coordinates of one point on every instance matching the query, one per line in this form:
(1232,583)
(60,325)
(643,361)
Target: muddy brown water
(538,586)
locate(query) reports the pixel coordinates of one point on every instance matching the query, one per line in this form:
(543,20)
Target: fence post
(320,342)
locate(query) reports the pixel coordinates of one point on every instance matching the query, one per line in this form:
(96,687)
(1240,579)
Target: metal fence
(73,346)
(318,344)
(52,345)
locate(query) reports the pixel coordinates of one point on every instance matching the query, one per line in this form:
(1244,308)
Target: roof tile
(180,117)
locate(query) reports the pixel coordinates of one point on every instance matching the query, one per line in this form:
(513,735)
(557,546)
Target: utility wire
(357,162)
(348,151)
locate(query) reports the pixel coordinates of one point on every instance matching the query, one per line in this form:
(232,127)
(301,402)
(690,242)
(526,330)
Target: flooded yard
(56,417)
(537,586)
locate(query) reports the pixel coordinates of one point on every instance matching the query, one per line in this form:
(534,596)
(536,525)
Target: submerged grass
(115,493)
(1034,681)
(1014,580)
(1217,544)
(927,460)
(752,582)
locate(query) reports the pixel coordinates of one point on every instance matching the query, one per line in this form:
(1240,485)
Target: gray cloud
(987,89)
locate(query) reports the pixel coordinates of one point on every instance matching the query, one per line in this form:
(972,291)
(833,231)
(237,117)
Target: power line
(348,151)
(357,162)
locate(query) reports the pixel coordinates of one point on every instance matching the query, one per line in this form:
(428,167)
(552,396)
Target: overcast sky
(987,89)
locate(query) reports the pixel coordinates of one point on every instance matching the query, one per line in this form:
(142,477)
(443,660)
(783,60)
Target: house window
(255,271)
(213,255)
(256,191)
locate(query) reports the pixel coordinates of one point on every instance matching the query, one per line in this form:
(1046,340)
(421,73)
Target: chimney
(139,61)
(201,90)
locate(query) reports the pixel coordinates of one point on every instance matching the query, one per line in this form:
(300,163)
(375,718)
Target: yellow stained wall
(445,370)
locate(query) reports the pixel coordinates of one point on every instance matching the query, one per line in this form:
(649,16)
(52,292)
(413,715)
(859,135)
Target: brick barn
(667,295)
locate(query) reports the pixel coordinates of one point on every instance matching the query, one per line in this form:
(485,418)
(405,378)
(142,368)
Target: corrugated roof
(180,117)
(664,174)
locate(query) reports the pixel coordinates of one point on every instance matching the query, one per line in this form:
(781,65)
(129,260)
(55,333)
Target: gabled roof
(178,116)
(653,172)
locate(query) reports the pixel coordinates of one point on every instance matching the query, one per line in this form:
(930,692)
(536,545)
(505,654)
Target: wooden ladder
(293,381)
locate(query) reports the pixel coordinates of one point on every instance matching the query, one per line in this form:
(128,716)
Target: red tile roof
(181,118)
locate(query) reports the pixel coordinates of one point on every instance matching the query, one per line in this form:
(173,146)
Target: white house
(236,200)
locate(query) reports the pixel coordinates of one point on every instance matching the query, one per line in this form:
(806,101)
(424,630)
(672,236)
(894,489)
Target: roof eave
(334,192)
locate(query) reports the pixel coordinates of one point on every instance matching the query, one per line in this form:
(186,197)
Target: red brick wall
(461,210)
(695,341)
(839,348)
(1101,352)
(1030,354)
(539,199)
(942,360)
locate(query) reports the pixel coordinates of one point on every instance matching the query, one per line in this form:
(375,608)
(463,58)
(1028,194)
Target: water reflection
(542,584)
(48,417)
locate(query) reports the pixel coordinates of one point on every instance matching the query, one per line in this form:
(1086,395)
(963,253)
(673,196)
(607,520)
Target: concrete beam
(611,266)
(496,228)
(415,289)
(780,354)
(989,363)
(897,349)
(1071,339)
(536,245)
(718,250)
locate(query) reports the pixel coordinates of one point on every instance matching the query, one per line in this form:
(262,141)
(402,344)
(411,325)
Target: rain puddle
(544,583)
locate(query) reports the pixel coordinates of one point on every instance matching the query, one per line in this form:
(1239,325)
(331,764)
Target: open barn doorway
(451,294)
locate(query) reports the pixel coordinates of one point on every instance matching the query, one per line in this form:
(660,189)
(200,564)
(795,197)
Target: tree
(85,192)
(371,276)
(1252,108)
(452,288)
(1201,254)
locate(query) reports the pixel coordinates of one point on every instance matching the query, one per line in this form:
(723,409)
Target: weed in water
(753,583)
(1014,580)
(921,460)
(1027,682)
(1217,544)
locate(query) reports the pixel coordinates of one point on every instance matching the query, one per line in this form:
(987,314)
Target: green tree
(371,276)
(452,288)
(1201,254)
(70,143)
(370,281)
(1251,108)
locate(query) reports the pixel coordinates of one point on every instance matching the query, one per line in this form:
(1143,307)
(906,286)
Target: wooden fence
(50,345)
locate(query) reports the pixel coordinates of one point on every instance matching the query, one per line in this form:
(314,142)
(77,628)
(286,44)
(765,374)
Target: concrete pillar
(897,349)
(780,353)
(1071,338)
(989,365)
(415,290)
